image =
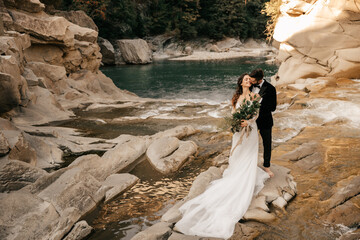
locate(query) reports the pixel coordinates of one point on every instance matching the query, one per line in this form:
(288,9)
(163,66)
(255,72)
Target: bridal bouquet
(248,109)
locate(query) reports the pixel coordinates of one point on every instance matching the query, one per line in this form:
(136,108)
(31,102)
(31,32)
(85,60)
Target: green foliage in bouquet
(248,109)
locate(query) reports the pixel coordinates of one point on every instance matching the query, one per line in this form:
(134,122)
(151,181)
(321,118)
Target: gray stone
(135,51)
(80,231)
(15,175)
(158,231)
(107,51)
(118,183)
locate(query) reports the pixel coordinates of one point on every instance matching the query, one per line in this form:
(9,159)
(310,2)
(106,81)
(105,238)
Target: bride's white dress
(215,212)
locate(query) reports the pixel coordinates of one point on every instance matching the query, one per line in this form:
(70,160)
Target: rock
(259,215)
(242,231)
(23,151)
(135,51)
(75,189)
(304,150)
(50,54)
(279,184)
(15,175)
(347,214)
(251,43)
(337,56)
(297,86)
(228,43)
(178,236)
(78,17)
(114,160)
(353,235)
(107,51)
(344,82)
(168,154)
(32,6)
(310,163)
(53,75)
(160,230)
(173,214)
(19,220)
(221,159)
(214,48)
(202,181)
(49,29)
(83,34)
(80,231)
(188,50)
(118,184)
(259,202)
(344,190)
(4,145)
(31,78)
(279,202)
(178,132)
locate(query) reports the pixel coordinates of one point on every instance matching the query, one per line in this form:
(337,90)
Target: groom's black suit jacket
(268,105)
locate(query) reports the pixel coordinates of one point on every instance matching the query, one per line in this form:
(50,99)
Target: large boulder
(135,51)
(107,51)
(322,40)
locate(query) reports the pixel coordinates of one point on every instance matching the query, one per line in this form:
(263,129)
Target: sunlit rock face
(318,39)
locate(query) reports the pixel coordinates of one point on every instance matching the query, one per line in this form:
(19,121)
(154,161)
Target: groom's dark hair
(258,74)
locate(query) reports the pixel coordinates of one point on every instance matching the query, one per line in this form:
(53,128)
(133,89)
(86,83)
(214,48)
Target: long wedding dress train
(215,212)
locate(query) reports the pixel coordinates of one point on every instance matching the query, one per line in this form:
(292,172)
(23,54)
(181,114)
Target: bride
(215,212)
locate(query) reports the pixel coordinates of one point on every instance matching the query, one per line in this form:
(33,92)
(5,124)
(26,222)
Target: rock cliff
(317,39)
(49,64)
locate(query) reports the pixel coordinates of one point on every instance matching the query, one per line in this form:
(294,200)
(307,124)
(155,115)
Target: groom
(264,122)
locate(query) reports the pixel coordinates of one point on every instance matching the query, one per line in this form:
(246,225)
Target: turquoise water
(200,80)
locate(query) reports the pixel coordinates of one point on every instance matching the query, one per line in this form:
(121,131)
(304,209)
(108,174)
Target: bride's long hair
(239,90)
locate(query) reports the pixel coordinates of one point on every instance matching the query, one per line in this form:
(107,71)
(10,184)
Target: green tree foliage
(189,18)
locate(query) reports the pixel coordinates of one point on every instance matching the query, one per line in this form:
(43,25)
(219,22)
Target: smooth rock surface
(118,183)
(322,39)
(135,51)
(168,154)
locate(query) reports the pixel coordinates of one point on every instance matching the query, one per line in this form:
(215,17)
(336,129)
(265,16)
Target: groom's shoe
(267,169)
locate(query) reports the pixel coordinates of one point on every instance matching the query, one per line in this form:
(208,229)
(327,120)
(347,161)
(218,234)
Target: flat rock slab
(118,183)
(168,154)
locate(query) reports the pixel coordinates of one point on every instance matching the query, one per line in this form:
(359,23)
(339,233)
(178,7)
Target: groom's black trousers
(266,137)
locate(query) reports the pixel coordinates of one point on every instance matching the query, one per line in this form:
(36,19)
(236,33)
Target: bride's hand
(244,123)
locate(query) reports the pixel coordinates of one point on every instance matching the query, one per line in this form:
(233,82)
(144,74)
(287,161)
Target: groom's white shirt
(257,90)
